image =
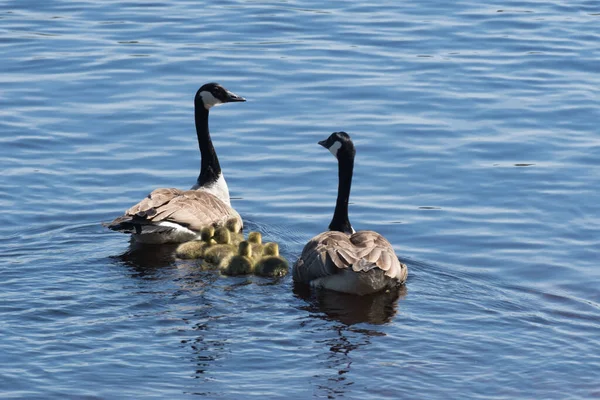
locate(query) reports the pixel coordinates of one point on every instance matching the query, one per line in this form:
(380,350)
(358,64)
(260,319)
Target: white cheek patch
(209,100)
(334,148)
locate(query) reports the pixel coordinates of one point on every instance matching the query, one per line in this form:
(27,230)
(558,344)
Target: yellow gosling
(220,253)
(235,228)
(233,225)
(206,234)
(196,248)
(255,240)
(271,249)
(222,235)
(271,264)
(242,263)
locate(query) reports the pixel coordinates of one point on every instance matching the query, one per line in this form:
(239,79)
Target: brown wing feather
(155,199)
(193,209)
(331,251)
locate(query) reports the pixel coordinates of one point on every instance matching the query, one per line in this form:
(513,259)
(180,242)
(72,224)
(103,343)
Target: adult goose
(173,215)
(342,259)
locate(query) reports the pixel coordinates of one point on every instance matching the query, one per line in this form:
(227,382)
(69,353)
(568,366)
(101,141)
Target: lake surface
(478,157)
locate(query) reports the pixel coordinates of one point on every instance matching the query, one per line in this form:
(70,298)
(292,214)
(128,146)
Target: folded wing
(167,209)
(363,251)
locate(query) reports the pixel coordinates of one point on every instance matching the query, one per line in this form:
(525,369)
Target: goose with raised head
(342,259)
(173,215)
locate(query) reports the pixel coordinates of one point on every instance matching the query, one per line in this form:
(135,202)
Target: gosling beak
(323,143)
(232,97)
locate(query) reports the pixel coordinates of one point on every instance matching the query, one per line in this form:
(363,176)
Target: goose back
(174,215)
(361,263)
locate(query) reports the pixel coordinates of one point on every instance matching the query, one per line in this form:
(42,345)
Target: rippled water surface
(478,151)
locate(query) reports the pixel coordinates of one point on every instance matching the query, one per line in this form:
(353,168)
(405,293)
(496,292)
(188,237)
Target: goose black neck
(340,221)
(209,167)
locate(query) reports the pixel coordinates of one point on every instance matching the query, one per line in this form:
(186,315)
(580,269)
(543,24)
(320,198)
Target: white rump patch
(335,147)
(209,100)
(179,234)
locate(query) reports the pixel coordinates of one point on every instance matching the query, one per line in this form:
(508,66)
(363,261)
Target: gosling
(242,263)
(235,227)
(196,248)
(271,265)
(255,240)
(219,254)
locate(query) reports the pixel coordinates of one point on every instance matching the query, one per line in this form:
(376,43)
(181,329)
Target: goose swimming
(342,259)
(173,215)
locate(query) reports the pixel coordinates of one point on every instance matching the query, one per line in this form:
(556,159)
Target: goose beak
(323,143)
(232,97)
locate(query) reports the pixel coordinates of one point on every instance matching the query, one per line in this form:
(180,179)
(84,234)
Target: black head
(339,143)
(213,94)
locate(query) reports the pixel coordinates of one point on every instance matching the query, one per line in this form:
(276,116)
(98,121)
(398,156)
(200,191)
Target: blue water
(478,157)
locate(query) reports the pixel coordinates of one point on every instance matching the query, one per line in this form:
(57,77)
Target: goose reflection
(337,379)
(204,349)
(189,300)
(346,310)
(377,308)
(145,259)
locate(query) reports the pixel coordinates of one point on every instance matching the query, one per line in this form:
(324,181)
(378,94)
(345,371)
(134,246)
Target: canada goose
(342,259)
(271,264)
(242,263)
(220,253)
(173,215)
(255,240)
(196,248)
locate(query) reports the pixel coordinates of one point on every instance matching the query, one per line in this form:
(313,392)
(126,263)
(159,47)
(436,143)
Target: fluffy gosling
(255,240)
(196,248)
(235,228)
(242,263)
(219,254)
(271,264)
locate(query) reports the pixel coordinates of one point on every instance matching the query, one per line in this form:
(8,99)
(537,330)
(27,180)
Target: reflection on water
(339,361)
(205,349)
(376,308)
(145,259)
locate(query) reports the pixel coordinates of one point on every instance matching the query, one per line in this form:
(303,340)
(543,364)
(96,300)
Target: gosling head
(234,225)
(271,249)
(222,235)
(339,143)
(207,233)
(255,237)
(244,249)
(213,94)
